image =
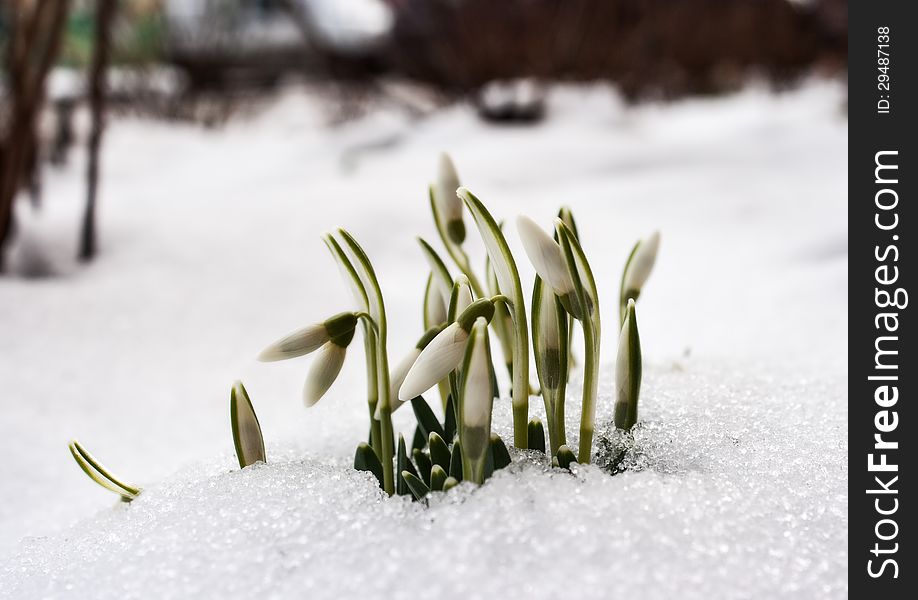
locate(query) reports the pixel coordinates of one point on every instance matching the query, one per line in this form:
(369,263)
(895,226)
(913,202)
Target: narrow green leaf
(438,269)
(501,457)
(536,435)
(439,452)
(419,441)
(99,474)
(418,488)
(366,460)
(455,461)
(628,370)
(427,420)
(422,460)
(437,478)
(402,464)
(449,420)
(247,436)
(489,463)
(450,483)
(566,215)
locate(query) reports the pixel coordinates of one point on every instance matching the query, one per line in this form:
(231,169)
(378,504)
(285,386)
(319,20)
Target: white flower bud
(448,204)
(545,255)
(442,355)
(323,372)
(642,264)
(300,342)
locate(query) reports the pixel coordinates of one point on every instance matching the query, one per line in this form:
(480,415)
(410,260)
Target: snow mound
(735,487)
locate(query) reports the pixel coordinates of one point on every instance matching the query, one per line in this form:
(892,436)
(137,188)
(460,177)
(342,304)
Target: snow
(737,485)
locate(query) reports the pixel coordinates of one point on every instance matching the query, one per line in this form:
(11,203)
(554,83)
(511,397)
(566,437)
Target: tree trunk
(36,30)
(105,15)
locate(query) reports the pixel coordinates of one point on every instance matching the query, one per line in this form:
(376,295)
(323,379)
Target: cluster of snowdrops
(453,357)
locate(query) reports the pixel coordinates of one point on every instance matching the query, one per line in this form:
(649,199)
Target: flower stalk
(508,279)
(588,299)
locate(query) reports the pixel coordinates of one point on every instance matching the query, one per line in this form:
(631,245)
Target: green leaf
(628,370)
(422,460)
(402,464)
(419,441)
(565,457)
(427,420)
(438,269)
(449,421)
(439,452)
(455,461)
(450,483)
(247,437)
(501,457)
(536,435)
(366,460)
(437,478)
(489,463)
(418,488)
(566,215)
(99,474)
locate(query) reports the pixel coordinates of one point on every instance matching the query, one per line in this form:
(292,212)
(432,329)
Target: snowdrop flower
(312,337)
(628,371)
(447,203)
(545,255)
(640,266)
(477,400)
(247,437)
(324,371)
(397,376)
(444,352)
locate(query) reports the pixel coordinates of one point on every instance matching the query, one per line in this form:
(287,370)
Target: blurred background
(167,168)
(203,60)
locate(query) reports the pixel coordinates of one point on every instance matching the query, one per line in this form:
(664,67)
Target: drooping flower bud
(312,337)
(323,372)
(398,374)
(444,353)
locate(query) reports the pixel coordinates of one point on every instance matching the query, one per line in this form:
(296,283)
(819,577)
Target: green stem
(385,409)
(369,344)
(590,387)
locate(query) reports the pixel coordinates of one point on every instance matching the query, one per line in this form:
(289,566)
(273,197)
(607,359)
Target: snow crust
(736,485)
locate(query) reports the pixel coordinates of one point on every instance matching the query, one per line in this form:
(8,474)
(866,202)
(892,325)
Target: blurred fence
(666,47)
